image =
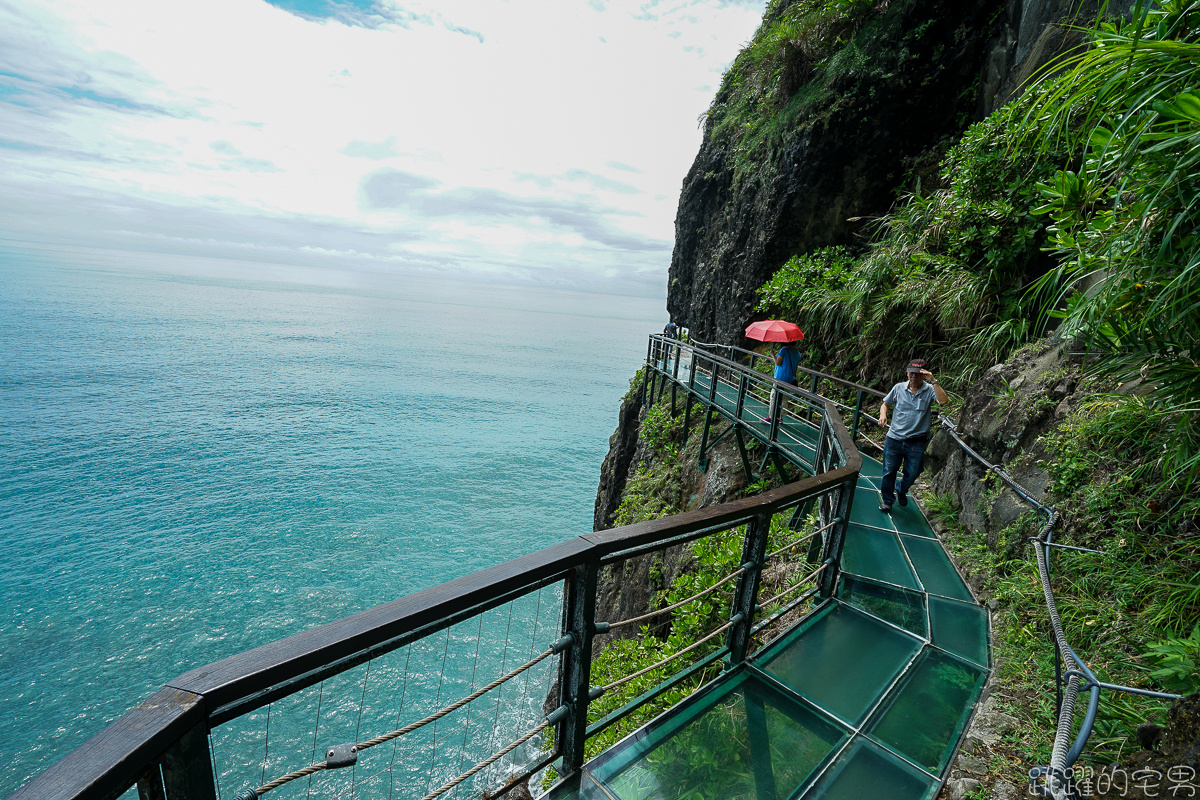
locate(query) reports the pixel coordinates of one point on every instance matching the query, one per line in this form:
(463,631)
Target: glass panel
(906,609)
(876,554)
(960,628)
(871,468)
(747,741)
(843,660)
(909,519)
(923,717)
(934,569)
(865,510)
(867,771)
(587,790)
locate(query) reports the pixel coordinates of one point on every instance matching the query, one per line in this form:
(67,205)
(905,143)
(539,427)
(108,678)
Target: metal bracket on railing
(1089,682)
(1033,539)
(341,755)
(595,693)
(564,641)
(602,627)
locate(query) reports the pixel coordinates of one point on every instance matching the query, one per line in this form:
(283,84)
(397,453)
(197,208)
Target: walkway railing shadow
(246,726)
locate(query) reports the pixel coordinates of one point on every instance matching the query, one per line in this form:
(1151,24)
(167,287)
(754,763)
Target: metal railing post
(836,537)
(822,448)
(579,617)
(857,414)
(754,553)
(646,373)
(187,767)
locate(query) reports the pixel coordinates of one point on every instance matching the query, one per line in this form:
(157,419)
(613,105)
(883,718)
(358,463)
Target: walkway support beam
(754,552)
(580,624)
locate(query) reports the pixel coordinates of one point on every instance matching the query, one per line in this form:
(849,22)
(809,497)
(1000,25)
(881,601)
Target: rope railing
(130,750)
(670,658)
(802,539)
(798,584)
(680,604)
(354,749)
(487,762)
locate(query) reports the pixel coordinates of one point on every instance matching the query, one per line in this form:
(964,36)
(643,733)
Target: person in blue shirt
(906,439)
(787,360)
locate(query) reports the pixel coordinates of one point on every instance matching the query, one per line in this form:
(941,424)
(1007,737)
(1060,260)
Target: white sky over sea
(531,140)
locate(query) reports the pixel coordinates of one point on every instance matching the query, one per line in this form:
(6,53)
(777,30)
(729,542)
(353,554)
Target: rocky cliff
(777,176)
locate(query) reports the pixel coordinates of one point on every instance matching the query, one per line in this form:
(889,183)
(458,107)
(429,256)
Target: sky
(540,141)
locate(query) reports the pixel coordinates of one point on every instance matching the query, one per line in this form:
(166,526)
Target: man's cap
(914,368)
(917,364)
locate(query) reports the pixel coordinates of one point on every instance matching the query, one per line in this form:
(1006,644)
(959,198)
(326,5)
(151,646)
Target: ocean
(198,457)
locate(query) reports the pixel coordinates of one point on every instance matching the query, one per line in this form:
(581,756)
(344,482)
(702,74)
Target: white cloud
(557,130)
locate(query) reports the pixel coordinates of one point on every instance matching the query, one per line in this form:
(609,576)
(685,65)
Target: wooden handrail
(105,766)
(112,760)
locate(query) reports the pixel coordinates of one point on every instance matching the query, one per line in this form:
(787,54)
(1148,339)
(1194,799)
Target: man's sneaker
(885,508)
(902,498)
(767,420)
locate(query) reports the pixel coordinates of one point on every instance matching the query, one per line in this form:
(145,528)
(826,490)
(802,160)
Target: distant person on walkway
(906,439)
(787,360)
(671,331)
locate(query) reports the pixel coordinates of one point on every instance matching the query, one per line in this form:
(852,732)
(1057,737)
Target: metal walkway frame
(897,627)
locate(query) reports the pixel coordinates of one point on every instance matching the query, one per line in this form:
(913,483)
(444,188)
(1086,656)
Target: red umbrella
(774,330)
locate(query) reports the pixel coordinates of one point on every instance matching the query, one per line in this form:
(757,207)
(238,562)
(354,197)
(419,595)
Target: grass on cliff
(1129,611)
(799,65)
(1080,201)
(657,488)
(946,276)
(1089,177)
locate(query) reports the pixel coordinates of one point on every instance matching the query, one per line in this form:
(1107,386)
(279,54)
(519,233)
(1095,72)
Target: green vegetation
(1178,662)
(1125,608)
(656,487)
(1077,205)
(654,490)
(1079,202)
(807,60)
(1126,219)
(946,275)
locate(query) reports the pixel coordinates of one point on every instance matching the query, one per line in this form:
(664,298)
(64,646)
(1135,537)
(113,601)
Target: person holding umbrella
(787,358)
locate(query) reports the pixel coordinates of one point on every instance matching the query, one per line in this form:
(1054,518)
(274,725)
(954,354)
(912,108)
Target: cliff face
(927,70)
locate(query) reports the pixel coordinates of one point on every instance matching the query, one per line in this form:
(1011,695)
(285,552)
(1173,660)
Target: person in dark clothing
(912,404)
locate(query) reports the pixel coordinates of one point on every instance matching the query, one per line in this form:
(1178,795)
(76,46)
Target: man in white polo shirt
(912,401)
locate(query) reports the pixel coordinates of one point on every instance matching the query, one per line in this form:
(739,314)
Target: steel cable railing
(1078,676)
(345,755)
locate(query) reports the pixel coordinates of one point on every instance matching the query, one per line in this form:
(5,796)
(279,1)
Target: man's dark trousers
(911,451)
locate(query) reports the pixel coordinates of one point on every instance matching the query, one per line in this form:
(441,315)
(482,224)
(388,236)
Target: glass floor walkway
(867,697)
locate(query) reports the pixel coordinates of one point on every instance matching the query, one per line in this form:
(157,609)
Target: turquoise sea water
(200,457)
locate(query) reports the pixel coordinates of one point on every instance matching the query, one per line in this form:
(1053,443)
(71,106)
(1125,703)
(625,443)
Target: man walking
(912,401)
